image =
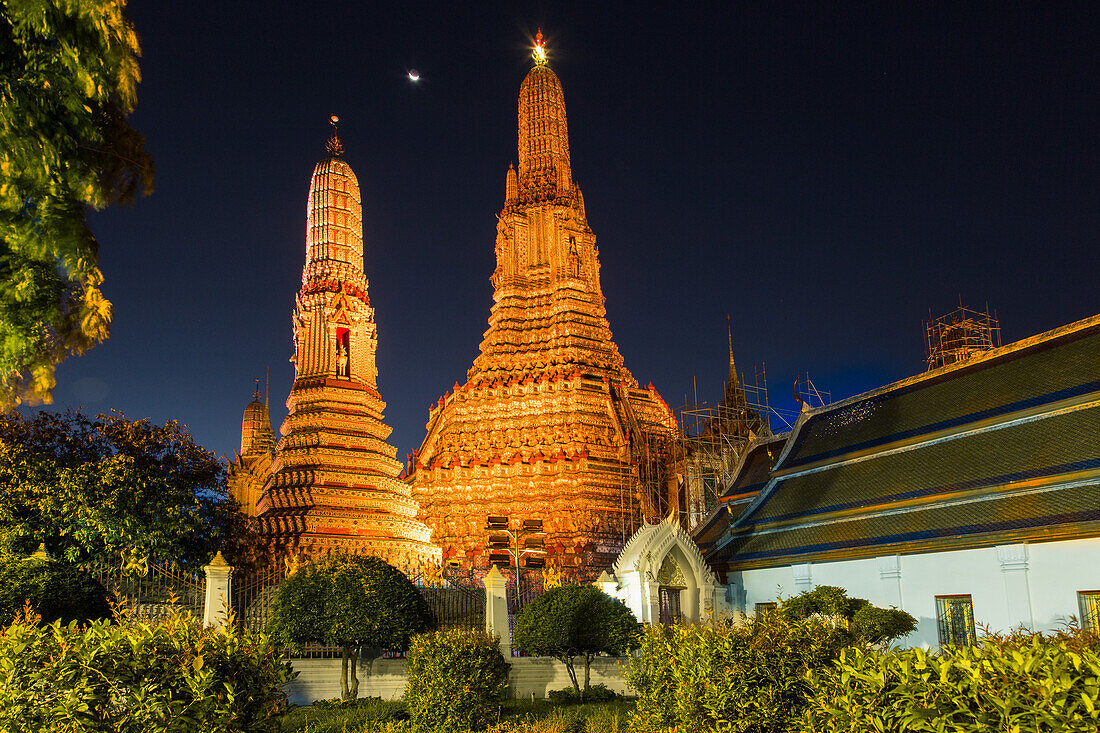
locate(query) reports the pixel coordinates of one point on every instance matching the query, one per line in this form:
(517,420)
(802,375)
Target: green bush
(457,679)
(575,621)
(351,601)
(865,624)
(739,675)
(56,590)
(174,675)
(594,693)
(1014,683)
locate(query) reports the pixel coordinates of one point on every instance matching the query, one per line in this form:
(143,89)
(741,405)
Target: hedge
(173,675)
(1015,683)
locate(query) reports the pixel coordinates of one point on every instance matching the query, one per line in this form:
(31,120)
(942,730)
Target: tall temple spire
(544,168)
(334,219)
(333,483)
(548,424)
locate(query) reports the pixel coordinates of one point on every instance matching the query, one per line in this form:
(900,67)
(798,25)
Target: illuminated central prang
(539,54)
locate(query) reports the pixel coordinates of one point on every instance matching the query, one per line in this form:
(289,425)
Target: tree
(68,78)
(350,601)
(91,488)
(55,589)
(864,622)
(575,621)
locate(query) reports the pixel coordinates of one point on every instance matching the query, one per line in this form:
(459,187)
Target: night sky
(826,176)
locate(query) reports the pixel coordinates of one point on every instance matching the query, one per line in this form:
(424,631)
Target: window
(1089,603)
(765,609)
(956,620)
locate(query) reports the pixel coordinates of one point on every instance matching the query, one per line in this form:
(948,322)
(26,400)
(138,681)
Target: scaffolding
(958,335)
(712,440)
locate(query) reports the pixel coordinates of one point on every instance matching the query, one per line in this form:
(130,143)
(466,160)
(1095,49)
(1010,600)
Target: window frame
(944,624)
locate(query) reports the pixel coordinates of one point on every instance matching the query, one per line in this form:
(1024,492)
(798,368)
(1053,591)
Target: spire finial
(335,148)
(539,54)
(256,392)
(267,388)
(733,367)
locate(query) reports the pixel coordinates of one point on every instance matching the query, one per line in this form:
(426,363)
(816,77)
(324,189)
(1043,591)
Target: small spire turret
(731,379)
(511,185)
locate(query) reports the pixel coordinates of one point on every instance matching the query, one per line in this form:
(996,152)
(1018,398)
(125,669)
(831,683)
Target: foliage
(99,487)
(516,716)
(56,590)
(349,601)
(575,621)
(867,624)
(735,675)
(175,675)
(595,693)
(1021,682)
(457,679)
(339,716)
(68,77)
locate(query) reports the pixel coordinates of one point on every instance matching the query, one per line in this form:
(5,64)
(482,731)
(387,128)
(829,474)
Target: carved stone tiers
(333,483)
(549,424)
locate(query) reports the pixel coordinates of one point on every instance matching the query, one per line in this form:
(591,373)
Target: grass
(516,716)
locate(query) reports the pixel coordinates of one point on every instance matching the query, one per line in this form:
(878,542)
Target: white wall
(319,679)
(1033,584)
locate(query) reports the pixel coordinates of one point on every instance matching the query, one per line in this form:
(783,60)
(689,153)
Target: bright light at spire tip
(539,54)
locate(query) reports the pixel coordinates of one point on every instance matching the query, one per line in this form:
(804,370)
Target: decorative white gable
(664,555)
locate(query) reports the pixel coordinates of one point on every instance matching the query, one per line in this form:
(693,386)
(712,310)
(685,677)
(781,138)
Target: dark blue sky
(825,175)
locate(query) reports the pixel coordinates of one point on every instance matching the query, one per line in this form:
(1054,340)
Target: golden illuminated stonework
(333,483)
(248,473)
(548,424)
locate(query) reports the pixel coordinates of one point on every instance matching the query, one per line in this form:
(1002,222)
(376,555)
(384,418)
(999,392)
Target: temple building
(548,423)
(332,481)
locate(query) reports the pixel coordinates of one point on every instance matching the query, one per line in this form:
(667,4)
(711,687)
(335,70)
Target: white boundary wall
(1031,584)
(319,679)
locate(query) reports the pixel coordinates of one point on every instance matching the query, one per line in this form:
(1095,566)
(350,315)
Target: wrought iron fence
(151,589)
(530,585)
(454,601)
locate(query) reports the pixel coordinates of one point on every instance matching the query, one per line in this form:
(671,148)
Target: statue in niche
(341,361)
(574,258)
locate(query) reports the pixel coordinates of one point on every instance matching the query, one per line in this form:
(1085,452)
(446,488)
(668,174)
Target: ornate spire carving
(544,169)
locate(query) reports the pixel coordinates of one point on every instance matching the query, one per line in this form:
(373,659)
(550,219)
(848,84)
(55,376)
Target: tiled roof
(1006,446)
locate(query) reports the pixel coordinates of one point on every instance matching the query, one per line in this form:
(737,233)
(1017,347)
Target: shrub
(1015,683)
(174,675)
(595,693)
(866,624)
(749,673)
(456,680)
(349,601)
(56,590)
(575,621)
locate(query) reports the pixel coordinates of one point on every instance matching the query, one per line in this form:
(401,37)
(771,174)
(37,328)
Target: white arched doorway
(660,574)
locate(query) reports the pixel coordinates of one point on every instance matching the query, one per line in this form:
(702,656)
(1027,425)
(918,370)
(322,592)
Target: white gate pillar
(219,579)
(496,609)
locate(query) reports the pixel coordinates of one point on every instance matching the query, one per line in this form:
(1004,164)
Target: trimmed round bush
(57,591)
(457,679)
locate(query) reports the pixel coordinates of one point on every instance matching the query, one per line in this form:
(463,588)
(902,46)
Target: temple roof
(1000,448)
